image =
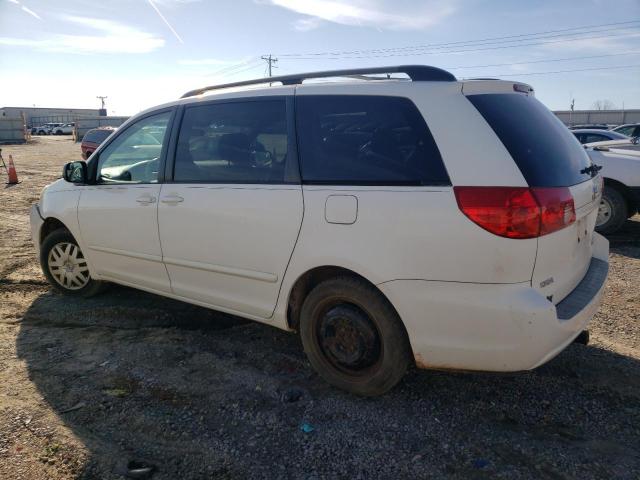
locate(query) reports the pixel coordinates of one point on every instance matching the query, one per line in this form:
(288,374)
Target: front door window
(134,156)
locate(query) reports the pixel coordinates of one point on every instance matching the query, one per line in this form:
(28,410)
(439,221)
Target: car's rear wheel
(612,211)
(65,266)
(353,337)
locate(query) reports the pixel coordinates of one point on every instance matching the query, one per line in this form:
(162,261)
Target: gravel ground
(128,380)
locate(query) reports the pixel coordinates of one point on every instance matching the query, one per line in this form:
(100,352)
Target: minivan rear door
(549,156)
(230,218)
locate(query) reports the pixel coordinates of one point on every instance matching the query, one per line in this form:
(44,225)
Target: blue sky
(143,52)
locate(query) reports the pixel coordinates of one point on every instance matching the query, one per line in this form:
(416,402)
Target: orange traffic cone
(11,171)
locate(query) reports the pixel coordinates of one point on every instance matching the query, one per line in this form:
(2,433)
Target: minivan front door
(230,219)
(118,215)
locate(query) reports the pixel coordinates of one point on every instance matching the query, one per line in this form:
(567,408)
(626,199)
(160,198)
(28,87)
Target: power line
(500,47)
(585,29)
(615,67)
(229,68)
(544,61)
(246,69)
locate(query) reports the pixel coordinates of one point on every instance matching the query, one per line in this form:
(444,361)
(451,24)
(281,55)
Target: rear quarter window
(366,140)
(543,148)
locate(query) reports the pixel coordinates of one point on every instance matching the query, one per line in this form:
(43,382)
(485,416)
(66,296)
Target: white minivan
(391,220)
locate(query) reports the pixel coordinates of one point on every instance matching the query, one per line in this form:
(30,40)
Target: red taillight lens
(517,212)
(557,209)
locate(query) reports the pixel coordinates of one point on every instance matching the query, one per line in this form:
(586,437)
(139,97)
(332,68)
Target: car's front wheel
(612,211)
(353,337)
(65,266)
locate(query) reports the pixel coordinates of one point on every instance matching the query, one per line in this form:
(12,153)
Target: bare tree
(603,105)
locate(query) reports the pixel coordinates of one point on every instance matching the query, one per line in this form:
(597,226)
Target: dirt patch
(92,388)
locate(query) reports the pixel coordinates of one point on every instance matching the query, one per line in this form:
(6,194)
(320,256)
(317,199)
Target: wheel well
(50,225)
(307,281)
(624,191)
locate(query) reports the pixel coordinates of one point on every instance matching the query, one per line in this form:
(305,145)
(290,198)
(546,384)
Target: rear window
(366,140)
(546,152)
(96,136)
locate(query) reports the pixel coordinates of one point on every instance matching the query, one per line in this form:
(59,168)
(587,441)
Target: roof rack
(419,73)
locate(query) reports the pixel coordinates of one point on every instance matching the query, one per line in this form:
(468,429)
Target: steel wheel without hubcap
(68,266)
(605,209)
(353,336)
(348,339)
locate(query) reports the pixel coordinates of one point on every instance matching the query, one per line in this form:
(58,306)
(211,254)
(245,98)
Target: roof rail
(420,73)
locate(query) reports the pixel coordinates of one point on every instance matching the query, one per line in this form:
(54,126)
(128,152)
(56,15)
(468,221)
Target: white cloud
(382,14)
(307,23)
(114,37)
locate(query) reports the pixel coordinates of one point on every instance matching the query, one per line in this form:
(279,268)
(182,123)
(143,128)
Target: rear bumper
(489,327)
(36,222)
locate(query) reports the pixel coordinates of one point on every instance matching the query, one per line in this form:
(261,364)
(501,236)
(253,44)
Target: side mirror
(75,172)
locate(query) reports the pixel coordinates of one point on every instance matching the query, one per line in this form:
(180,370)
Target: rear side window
(625,130)
(546,152)
(590,138)
(366,140)
(235,142)
(97,136)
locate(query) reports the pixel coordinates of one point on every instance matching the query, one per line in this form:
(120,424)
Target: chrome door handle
(172,199)
(146,199)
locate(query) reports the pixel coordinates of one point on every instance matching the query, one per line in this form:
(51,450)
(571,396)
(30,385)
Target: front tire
(353,337)
(65,267)
(612,212)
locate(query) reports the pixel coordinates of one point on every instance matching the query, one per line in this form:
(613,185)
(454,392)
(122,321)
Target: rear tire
(353,337)
(65,267)
(613,211)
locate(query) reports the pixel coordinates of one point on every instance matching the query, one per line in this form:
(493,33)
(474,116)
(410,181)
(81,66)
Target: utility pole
(102,100)
(270,61)
(573,104)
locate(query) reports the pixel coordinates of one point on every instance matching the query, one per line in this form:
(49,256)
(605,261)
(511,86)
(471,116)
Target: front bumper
(488,327)
(36,221)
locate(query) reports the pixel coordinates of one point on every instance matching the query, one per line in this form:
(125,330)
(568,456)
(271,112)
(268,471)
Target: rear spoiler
(477,86)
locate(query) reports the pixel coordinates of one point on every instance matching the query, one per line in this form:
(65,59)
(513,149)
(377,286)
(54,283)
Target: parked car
(591,126)
(63,129)
(44,129)
(351,212)
(620,161)
(594,135)
(93,138)
(629,129)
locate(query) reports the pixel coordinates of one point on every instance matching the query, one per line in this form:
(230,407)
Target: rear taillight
(557,209)
(517,212)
